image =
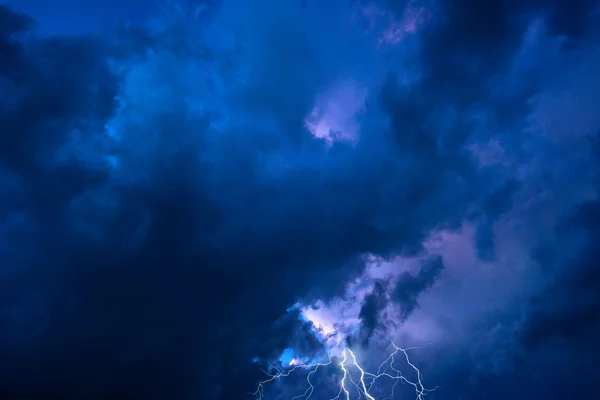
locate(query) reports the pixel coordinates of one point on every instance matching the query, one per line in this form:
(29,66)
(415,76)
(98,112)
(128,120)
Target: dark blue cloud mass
(190,189)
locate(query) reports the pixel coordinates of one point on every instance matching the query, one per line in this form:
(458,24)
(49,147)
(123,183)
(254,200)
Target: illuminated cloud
(336,112)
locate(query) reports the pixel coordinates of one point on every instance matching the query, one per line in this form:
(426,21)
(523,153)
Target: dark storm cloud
(165,277)
(110,302)
(466,55)
(409,286)
(462,63)
(551,348)
(494,206)
(12,24)
(540,345)
(373,304)
(43,101)
(402,296)
(570,309)
(466,52)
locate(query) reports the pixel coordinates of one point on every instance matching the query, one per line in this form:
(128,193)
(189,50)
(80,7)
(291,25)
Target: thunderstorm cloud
(192,191)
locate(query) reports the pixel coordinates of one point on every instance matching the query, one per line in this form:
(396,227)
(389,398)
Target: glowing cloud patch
(334,116)
(295,362)
(287,357)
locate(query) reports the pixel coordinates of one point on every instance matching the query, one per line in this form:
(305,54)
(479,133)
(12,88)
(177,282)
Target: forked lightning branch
(355,382)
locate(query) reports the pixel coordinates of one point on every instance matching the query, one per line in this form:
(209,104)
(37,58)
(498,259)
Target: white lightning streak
(366,382)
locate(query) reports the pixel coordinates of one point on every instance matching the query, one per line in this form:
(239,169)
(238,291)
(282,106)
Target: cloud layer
(176,195)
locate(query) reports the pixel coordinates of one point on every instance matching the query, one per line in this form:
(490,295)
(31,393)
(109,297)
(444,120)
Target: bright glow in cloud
(287,357)
(334,116)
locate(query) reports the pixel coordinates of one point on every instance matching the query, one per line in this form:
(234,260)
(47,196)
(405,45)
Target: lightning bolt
(366,380)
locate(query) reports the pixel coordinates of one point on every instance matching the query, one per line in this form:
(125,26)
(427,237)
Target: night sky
(196,193)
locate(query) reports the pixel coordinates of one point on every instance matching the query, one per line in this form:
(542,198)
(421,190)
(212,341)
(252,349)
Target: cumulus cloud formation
(185,198)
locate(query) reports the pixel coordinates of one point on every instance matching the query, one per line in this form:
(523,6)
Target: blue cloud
(165,202)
